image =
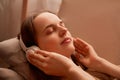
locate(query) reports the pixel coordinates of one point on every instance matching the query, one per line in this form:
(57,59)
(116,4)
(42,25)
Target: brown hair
(27,31)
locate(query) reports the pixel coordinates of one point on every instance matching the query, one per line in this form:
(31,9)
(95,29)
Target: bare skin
(58,65)
(92,60)
(56,44)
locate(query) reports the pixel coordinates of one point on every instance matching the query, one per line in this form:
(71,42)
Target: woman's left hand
(85,53)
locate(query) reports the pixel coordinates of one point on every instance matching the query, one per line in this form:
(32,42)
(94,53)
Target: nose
(62,31)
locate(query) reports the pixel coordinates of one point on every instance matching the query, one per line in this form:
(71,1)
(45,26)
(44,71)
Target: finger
(80,48)
(34,48)
(80,52)
(31,55)
(82,45)
(83,52)
(85,49)
(37,63)
(82,41)
(79,56)
(37,60)
(42,52)
(38,51)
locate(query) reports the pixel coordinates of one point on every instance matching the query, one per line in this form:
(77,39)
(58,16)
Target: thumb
(79,57)
(29,53)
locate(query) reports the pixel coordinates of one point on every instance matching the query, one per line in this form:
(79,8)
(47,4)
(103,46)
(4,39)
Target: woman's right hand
(58,65)
(50,62)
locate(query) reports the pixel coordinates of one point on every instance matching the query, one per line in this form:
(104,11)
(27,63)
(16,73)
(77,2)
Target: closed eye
(49,30)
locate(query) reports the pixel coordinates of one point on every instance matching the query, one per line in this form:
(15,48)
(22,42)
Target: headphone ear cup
(25,49)
(34,48)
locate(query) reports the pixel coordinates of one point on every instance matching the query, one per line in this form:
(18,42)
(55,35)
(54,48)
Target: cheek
(49,43)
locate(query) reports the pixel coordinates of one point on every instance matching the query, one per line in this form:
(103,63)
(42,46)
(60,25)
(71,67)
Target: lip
(66,41)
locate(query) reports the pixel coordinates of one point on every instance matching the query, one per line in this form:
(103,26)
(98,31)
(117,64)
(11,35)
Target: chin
(68,52)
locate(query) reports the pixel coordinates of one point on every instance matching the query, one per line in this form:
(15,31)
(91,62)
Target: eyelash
(49,31)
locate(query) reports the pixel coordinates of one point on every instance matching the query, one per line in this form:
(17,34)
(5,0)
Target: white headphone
(22,44)
(27,48)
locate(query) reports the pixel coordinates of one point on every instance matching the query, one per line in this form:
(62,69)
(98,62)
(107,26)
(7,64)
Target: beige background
(96,21)
(10,18)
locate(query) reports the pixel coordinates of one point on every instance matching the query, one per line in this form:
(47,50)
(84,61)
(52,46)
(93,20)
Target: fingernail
(30,51)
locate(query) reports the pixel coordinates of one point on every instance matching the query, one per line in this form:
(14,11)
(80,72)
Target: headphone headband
(22,44)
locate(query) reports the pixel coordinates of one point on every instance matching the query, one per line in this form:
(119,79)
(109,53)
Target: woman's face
(52,35)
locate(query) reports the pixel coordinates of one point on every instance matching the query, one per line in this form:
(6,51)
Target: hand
(85,53)
(55,64)
(50,62)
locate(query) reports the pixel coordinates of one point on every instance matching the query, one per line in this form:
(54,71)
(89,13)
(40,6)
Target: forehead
(45,19)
